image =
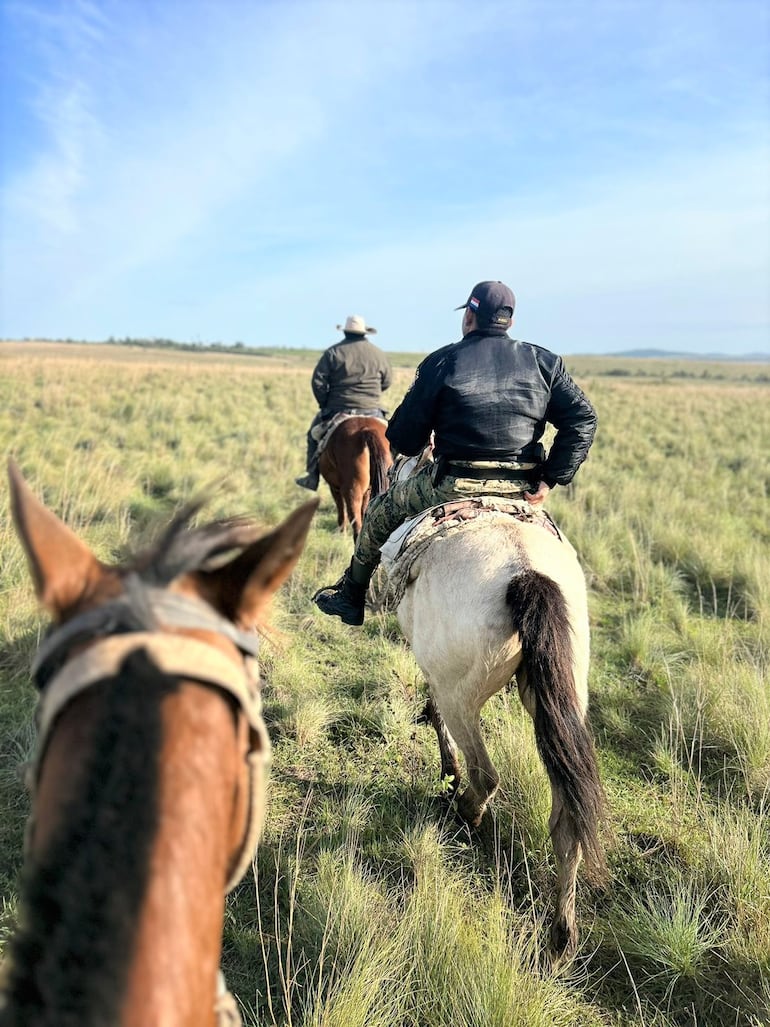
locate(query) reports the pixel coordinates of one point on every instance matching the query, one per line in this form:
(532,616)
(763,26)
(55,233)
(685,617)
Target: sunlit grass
(671,928)
(372,905)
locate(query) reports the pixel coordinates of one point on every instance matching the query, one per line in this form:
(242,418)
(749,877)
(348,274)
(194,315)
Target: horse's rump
(355,463)
(324,431)
(453,607)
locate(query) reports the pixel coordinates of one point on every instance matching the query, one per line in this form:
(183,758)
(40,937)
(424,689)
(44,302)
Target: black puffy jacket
(489,397)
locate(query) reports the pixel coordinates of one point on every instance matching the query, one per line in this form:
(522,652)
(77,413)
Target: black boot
(309,480)
(346,599)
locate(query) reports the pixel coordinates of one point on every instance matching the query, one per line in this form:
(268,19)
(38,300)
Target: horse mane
(182,549)
(81,897)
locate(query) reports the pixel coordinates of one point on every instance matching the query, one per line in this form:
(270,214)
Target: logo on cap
(474,303)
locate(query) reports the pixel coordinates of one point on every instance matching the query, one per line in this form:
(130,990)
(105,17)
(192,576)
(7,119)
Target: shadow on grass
(276,913)
(721,994)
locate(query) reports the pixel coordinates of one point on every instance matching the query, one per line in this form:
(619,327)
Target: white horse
(493,599)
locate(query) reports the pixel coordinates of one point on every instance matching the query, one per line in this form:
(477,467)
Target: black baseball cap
(492,302)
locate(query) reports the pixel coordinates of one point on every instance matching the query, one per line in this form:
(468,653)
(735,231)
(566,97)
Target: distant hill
(667,354)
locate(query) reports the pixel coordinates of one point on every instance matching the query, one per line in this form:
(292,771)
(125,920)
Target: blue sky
(255,171)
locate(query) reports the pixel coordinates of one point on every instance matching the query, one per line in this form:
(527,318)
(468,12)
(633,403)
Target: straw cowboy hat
(357,325)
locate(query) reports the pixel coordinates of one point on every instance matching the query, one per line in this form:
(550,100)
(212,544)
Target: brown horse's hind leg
(354,506)
(450,765)
(342,521)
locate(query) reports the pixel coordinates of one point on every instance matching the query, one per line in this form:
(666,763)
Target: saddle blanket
(413,537)
(324,431)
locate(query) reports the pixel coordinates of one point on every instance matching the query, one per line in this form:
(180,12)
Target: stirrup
(336,601)
(338,585)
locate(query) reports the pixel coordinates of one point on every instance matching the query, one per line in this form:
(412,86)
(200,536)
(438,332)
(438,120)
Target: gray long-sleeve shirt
(351,375)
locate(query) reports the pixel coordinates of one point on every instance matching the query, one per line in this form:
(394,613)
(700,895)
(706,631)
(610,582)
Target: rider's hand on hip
(536,498)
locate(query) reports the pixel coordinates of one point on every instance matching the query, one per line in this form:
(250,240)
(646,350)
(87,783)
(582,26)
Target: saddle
(413,537)
(323,432)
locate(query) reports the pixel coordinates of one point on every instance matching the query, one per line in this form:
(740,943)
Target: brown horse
(149,776)
(355,464)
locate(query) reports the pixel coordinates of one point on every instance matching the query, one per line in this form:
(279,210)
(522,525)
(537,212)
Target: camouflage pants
(407,498)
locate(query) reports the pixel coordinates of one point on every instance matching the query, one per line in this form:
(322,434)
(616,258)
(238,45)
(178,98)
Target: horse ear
(63,568)
(243,588)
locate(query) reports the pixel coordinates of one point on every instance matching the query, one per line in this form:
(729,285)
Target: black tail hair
(539,614)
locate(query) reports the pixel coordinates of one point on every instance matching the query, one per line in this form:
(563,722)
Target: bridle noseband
(141,607)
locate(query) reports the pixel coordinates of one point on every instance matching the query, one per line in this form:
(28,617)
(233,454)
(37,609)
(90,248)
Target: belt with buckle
(480,472)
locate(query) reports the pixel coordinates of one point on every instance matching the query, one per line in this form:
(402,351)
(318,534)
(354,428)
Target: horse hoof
(424,717)
(469,811)
(563,941)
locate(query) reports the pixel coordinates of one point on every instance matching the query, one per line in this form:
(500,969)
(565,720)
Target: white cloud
(204,163)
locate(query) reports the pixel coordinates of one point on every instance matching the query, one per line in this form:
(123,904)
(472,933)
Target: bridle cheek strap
(190,659)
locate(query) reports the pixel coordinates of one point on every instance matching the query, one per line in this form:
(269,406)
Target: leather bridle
(140,619)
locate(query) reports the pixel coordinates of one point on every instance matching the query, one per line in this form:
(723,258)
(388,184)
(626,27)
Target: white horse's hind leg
(483,779)
(450,765)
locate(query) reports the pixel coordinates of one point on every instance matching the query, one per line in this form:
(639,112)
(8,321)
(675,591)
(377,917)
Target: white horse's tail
(540,616)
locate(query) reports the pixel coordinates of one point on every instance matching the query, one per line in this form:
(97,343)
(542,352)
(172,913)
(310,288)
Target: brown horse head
(149,777)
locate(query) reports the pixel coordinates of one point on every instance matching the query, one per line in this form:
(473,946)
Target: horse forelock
(82,894)
(183,549)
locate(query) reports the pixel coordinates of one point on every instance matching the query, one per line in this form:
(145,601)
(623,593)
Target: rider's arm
(320,381)
(386,375)
(539,495)
(575,421)
(410,426)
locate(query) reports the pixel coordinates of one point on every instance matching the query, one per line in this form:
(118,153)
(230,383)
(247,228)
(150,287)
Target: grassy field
(369,905)
(654,369)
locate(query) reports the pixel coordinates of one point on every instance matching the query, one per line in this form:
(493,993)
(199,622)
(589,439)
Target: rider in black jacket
(489,397)
(487,400)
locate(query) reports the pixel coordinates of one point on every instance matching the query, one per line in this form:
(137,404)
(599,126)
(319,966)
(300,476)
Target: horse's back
(352,430)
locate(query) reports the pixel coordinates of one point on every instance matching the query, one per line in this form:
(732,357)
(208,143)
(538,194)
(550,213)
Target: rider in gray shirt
(351,377)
